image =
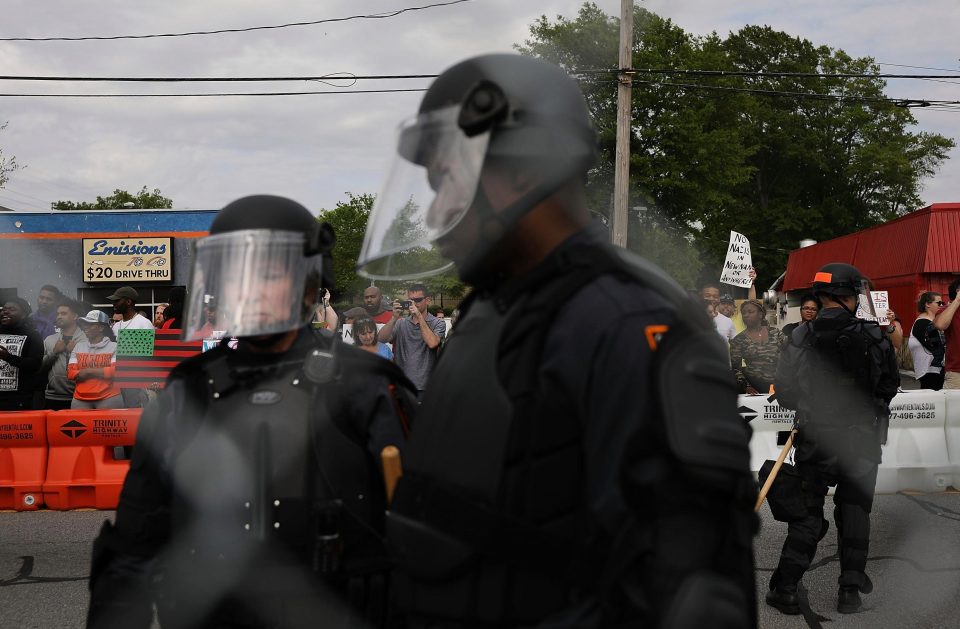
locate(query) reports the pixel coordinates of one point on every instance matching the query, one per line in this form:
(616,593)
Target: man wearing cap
(124,304)
(124,301)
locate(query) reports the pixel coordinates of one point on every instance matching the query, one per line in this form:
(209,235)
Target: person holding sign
(21,353)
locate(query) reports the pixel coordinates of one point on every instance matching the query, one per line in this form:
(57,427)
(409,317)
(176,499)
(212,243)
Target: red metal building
(906,256)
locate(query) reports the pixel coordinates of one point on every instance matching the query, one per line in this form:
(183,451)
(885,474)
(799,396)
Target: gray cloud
(203,152)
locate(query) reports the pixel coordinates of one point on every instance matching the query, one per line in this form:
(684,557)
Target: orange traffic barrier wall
(89,457)
(23,459)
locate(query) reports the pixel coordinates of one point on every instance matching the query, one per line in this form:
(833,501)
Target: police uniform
(255,495)
(578,460)
(839,373)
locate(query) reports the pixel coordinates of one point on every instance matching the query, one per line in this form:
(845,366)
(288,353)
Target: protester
(365,337)
(57,347)
(809,307)
(255,495)
(839,380)
(158,315)
(21,353)
(755,351)
(416,338)
(724,325)
(373,302)
(45,315)
(540,488)
(326,316)
(927,344)
(173,313)
(124,301)
(92,364)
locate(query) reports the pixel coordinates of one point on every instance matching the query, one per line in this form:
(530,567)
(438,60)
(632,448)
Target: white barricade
(953,433)
(923,445)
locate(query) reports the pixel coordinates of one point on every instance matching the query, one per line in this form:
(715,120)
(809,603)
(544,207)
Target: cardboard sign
(737,266)
(10,375)
(881,303)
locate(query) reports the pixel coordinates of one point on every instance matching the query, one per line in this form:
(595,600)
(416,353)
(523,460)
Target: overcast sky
(205,152)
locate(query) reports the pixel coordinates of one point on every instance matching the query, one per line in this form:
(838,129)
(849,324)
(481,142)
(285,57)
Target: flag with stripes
(140,372)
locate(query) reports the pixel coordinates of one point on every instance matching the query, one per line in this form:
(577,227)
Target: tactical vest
(490,519)
(841,376)
(278,499)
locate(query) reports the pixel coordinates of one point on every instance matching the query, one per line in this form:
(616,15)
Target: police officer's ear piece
(320,240)
(484,106)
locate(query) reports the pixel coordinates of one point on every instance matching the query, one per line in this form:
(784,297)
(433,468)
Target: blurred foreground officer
(578,460)
(255,496)
(839,373)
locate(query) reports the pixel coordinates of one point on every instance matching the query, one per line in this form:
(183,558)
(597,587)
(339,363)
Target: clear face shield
(251,283)
(428,190)
(865,307)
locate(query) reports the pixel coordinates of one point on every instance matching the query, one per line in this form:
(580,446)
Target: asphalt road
(914,564)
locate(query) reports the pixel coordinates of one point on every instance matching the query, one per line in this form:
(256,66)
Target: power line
(3,95)
(218,79)
(371,16)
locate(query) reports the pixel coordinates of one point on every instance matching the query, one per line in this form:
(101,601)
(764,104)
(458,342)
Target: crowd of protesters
(63,354)
(933,343)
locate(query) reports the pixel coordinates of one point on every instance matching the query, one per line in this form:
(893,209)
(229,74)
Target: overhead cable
(371,16)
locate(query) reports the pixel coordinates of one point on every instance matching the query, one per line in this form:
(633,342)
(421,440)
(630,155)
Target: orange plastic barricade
(23,459)
(88,460)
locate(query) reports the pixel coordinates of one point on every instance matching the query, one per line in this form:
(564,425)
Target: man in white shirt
(711,295)
(125,304)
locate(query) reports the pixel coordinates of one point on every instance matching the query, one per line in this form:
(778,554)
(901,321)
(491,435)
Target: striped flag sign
(140,372)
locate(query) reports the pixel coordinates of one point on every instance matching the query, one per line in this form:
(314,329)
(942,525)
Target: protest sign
(10,375)
(737,266)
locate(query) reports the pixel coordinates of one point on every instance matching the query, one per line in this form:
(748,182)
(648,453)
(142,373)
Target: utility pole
(621,185)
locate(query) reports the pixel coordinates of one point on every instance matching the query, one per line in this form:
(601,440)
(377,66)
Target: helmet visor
(250,283)
(427,192)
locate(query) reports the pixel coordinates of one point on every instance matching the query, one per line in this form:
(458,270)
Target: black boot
(784,598)
(848,600)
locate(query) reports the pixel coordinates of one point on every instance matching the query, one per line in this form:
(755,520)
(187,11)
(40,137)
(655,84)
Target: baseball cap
(96,316)
(124,292)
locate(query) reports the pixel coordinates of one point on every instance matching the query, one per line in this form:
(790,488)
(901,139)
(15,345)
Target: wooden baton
(392,470)
(773,473)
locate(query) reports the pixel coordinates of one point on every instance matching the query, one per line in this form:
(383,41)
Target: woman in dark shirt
(926,343)
(809,307)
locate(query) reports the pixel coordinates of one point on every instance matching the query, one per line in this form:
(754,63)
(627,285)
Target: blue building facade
(49,248)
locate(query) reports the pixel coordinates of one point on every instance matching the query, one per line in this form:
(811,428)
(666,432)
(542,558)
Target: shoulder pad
(699,401)
(655,278)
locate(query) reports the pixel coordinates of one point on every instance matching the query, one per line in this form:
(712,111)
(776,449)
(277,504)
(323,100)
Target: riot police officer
(839,373)
(577,459)
(255,494)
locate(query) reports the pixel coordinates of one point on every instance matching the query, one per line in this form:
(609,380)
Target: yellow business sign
(127,259)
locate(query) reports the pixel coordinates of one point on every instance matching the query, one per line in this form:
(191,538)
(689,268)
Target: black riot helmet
(260,268)
(516,109)
(837,280)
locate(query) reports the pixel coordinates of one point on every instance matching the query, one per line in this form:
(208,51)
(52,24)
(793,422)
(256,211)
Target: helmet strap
(495,225)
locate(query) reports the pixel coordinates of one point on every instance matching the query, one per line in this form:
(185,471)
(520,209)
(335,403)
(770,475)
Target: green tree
(710,154)
(8,165)
(143,200)
(349,221)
